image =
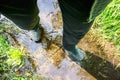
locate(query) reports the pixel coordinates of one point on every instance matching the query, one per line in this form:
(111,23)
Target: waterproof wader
(78,16)
(75,13)
(23,13)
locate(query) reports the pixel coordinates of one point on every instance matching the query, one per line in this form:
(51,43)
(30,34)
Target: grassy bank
(107,26)
(103,39)
(11,59)
(108,23)
(14,60)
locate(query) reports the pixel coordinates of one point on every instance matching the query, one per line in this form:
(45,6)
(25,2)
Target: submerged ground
(49,61)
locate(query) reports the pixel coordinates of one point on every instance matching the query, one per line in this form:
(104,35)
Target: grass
(109,22)
(12,58)
(11,61)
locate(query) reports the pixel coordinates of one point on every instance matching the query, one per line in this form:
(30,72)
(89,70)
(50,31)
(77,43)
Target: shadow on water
(100,68)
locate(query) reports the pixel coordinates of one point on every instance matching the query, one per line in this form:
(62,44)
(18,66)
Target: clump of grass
(10,58)
(109,22)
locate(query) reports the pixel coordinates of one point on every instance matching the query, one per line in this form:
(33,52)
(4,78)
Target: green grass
(109,22)
(12,59)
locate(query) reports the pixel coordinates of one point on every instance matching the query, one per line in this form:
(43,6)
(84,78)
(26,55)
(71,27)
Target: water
(48,62)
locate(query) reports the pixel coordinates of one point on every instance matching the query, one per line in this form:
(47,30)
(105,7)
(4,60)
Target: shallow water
(52,62)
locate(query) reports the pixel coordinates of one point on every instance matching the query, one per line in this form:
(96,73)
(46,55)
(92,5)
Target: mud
(100,68)
(102,61)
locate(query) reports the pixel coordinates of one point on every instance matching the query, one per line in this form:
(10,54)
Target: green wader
(77,15)
(23,13)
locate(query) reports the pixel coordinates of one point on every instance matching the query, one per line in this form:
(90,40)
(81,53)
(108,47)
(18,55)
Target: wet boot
(36,33)
(75,54)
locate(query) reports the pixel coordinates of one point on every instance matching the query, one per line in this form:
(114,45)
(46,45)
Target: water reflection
(55,66)
(47,9)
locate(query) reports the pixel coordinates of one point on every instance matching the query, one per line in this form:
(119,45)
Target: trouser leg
(72,36)
(75,24)
(23,13)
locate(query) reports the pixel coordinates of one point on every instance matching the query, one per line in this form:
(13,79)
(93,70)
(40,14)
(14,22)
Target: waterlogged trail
(50,61)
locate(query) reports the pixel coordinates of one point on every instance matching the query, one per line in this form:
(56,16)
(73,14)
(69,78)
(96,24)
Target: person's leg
(75,26)
(23,13)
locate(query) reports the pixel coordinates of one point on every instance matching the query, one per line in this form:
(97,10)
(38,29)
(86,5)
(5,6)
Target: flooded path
(54,65)
(51,61)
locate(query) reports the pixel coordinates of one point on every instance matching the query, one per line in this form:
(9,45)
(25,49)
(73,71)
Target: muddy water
(52,62)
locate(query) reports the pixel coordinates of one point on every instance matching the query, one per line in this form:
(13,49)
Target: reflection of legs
(23,13)
(74,26)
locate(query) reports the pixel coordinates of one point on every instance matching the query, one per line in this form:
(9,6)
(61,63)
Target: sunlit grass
(10,58)
(109,22)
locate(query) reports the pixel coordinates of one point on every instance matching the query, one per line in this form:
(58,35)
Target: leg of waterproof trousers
(75,14)
(23,13)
